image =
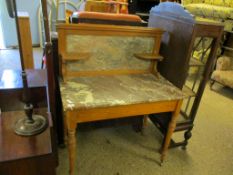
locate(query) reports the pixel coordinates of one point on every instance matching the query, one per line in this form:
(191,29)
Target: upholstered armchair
(217,10)
(224,72)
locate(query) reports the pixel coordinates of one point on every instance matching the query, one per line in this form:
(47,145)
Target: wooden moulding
(76,56)
(148,56)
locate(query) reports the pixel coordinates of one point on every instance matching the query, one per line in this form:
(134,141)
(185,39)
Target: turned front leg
(65,131)
(171,128)
(72,149)
(71,129)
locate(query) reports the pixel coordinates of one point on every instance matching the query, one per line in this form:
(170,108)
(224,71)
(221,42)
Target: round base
(24,127)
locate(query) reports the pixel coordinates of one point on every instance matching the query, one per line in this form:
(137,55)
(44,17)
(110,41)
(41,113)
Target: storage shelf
(182,123)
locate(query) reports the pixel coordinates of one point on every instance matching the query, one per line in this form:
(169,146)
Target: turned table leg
(72,149)
(171,128)
(71,129)
(65,131)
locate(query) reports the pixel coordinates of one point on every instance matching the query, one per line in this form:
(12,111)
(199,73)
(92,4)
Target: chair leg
(211,84)
(187,136)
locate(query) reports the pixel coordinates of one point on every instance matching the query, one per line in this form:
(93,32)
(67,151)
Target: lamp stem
(46,20)
(18,35)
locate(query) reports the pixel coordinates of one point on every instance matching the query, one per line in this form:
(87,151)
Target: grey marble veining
(104,91)
(108,52)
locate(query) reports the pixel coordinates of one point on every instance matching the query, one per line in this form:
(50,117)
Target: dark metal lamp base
(25,127)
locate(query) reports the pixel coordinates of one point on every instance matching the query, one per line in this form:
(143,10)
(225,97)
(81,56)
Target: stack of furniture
(178,45)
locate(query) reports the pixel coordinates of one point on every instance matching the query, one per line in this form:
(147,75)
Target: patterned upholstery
(211,11)
(225,3)
(217,10)
(224,71)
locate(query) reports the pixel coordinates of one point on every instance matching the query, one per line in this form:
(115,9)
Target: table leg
(144,124)
(65,130)
(171,128)
(72,149)
(71,128)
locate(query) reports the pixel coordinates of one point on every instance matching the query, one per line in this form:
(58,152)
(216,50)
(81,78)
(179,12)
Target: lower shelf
(161,122)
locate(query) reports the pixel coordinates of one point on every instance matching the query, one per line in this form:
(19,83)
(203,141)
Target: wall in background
(2,44)
(8,24)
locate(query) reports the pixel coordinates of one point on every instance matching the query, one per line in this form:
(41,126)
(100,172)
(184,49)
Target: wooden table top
(12,79)
(14,147)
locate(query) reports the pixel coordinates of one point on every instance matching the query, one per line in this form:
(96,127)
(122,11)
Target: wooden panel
(65,30)
(26,40)
(208,29)
(12,79)
(176,46)
(86,115)
(108,29)
(11,89)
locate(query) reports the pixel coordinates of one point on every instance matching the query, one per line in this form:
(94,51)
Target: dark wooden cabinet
(11,89)
(179,42)
(34,155)
(25,155)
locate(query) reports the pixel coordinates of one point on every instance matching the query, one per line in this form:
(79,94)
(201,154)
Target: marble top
(106,91)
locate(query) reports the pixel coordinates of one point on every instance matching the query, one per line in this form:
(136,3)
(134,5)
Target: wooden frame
(74,117)
(102,30)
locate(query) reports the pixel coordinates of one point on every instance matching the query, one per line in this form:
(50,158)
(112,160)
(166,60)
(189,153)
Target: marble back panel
(108,52)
